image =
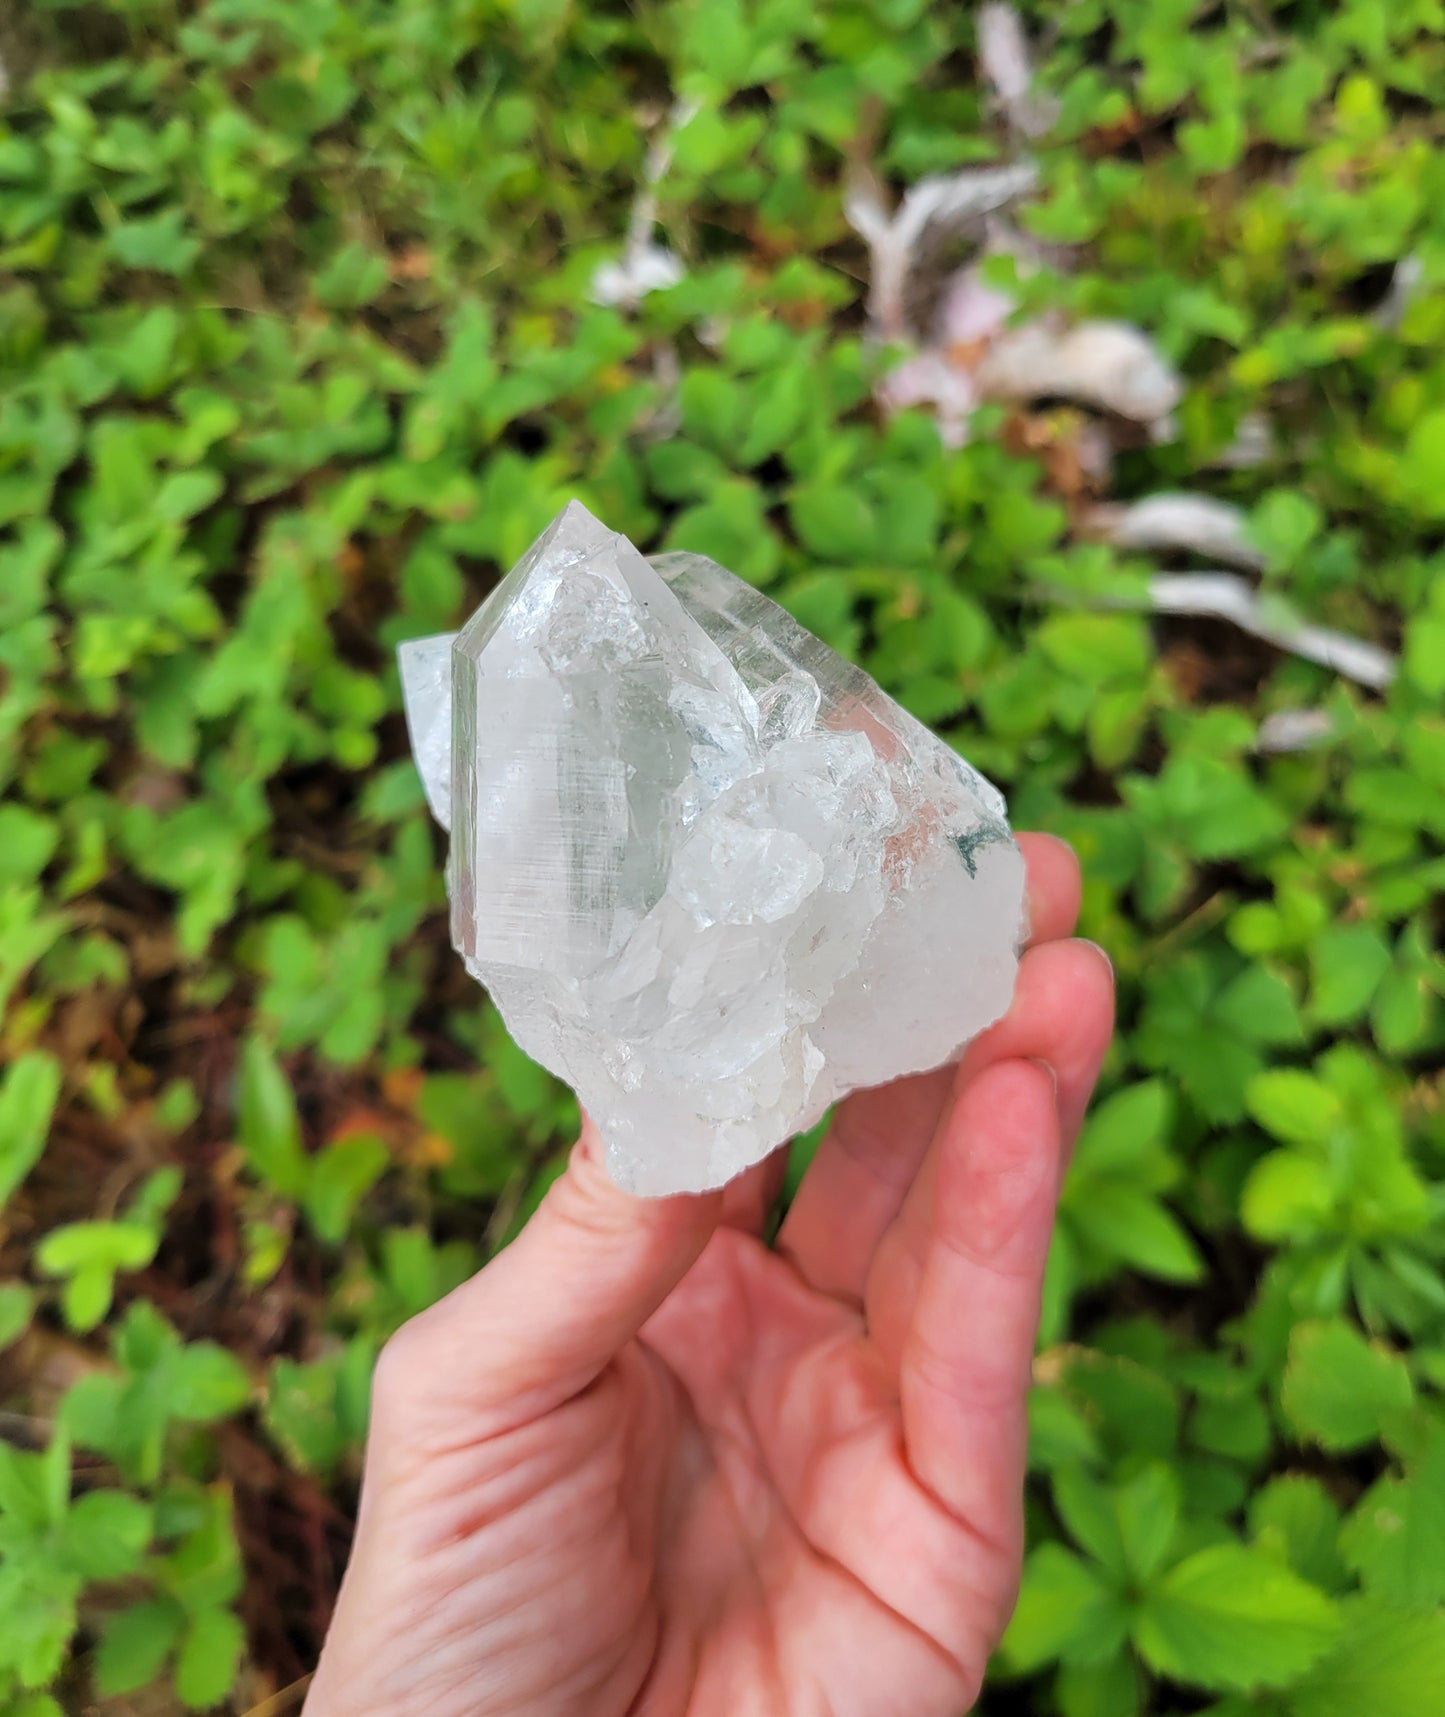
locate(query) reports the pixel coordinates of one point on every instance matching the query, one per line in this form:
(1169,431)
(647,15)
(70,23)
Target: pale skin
(645,1465)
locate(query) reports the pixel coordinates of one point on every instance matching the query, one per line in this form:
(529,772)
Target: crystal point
(710,873)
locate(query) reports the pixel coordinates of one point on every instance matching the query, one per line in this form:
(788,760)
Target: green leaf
(96,1245)
(1096,648)
(1128,1224)
(353,277)
(270,1129)
(145,1338)
(1135,1408)
(340,1178)
(1108,1689)
(1128,1128)
(1260,1007)
(1087,1510)
(1288,1196)
(1425,653)
(1059,1431)
(1347,961)
(38,1603)
(1395,1539)
(1422,468)
(205,1572)
(1295,1518)
(160,243)
(1148,1508)
(22,1488)
(1235,1424)
(91,1411)
(1339,1389)
(134,1645)
(1208,805)
(1386,1661)
(301,1413)
(106,1534)
(1128,1528)
(157,1194)
(1065,1612)
(1293,1106)
(185,493)
(205,1382)
(32,1705)
(28,1092)
(1228,1618)
(835,522)
(1212,1061)
(55,1466)
(1402,1012)
(1284,524)
(732,529)
(481,1151)
(90,1254)
(27,843)
(209,1657)
(713,409)
(17,1303)
(778,412)
(148,351)
(355,1369)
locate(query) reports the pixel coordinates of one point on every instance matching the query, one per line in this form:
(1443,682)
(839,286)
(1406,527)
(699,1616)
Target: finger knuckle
(399,1368)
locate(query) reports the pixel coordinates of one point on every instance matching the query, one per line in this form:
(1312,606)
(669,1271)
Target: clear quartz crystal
(710,873)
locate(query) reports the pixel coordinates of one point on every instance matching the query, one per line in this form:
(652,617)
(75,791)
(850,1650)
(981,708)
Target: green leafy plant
(89,1255)
(329,1185)
(188,1621)
(52,1545)
(299,349)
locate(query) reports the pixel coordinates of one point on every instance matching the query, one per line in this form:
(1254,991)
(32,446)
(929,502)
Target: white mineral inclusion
(712,876)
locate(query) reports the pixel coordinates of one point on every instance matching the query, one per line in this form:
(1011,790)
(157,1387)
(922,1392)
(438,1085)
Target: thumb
(547,1315)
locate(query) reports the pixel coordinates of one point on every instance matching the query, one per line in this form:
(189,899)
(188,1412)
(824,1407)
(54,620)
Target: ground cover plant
(299,346)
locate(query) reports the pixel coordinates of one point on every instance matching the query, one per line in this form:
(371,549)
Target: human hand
(643,1463)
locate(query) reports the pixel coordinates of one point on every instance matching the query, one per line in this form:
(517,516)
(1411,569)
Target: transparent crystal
(710,873)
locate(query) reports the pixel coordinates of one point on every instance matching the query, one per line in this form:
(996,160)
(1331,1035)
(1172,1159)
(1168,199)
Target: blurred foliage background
(299,346)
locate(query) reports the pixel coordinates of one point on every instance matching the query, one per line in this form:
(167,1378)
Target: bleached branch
(942,201)
(1179,523)
(645,266)
(1004,60)
(1224,596)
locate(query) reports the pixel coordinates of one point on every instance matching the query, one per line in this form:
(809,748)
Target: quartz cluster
(710,873)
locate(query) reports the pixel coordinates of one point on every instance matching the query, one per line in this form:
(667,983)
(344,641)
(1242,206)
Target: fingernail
(1047,1067)
(1103,953)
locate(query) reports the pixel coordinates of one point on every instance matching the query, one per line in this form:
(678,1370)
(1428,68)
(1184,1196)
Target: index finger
(964,1379)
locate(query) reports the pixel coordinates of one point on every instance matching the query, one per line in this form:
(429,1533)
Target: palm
(797,1487)
(808,1569)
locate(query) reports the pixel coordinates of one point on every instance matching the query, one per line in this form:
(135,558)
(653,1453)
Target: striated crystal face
(711,874)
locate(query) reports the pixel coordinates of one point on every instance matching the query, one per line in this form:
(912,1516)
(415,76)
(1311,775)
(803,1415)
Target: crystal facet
(711,874)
